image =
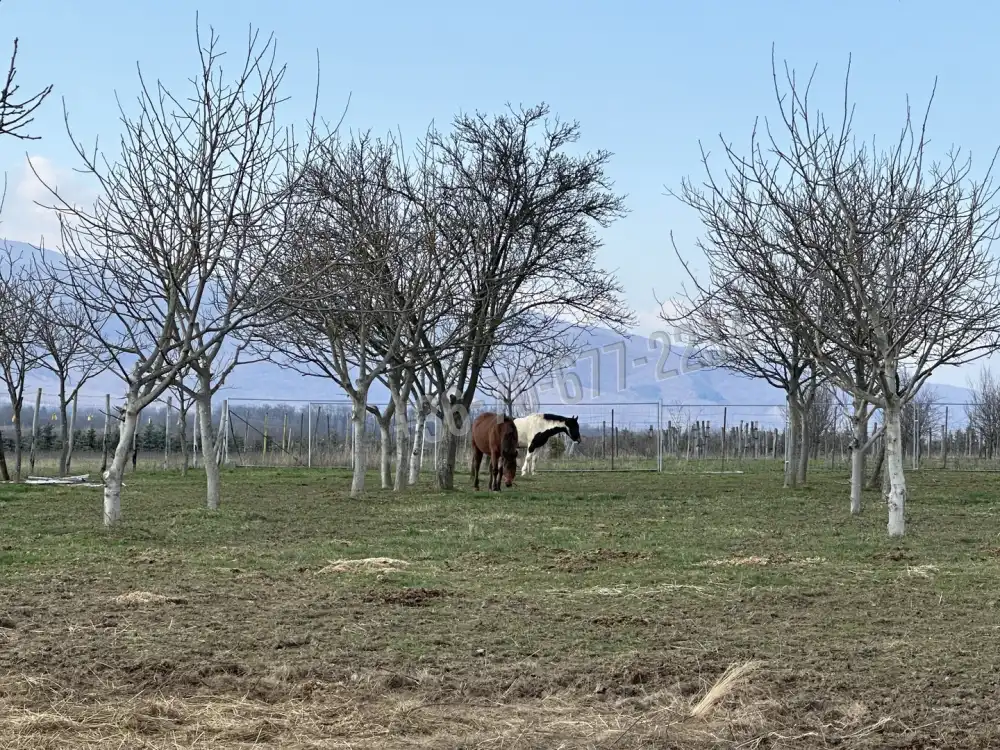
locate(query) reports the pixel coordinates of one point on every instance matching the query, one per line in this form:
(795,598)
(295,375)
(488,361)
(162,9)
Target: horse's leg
(477,460)
(495,472)
(526,464)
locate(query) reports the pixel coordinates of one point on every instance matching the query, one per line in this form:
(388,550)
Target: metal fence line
(649,436)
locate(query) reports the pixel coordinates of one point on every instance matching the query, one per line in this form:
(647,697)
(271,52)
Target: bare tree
(21,351)
(895,247)
(16,114)
(983,413)
(18,353)
(70,352)
(182,390)
(822,418)
(423,408)
(922,416)
(728,319)
(355,322)
(514,371)
(189,205)
(515,215)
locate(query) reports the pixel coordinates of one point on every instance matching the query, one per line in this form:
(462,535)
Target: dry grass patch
(34,715)
(139,598)
(762,560)
(366,565)
(624,590)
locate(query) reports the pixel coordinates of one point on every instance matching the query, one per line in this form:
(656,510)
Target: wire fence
(623,437)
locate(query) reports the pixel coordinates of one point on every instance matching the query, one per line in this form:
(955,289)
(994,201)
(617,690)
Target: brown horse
(494,435)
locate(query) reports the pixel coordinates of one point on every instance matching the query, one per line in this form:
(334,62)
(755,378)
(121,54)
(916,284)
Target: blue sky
(646,81)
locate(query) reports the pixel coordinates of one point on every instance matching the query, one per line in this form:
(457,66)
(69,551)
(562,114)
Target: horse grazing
(534,430)
(494,435)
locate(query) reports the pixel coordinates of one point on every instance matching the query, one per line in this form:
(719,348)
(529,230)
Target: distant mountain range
(631,374)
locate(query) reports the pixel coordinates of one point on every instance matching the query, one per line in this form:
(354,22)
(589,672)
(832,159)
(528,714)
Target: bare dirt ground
(608,611)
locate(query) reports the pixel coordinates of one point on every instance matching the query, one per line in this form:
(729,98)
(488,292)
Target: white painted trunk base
(115,472)
(417,455)
(896,497)
(358,443)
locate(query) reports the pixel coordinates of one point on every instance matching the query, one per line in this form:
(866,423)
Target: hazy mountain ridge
(609,370)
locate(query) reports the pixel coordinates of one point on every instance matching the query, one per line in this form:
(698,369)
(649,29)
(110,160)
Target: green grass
(580,608)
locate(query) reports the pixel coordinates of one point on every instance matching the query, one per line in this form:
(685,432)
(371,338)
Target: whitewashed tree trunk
(209,448)
(402,414)
(385,453)
(804,445)
(417,455)
(896,497)
(358,419)
(183,408)
(860,423)
(113,476)
(791,464)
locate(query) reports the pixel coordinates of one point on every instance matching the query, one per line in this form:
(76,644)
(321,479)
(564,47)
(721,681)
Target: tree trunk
(791,465)
(402,443)
(209,449)
(35,416)
(72,433)
(359,416)
(860,422)
(18,439)
(113,476)
(182,430)
(875,480)
(4,473)
(417,455)
(63,435)
(804,447)
(896,496)
(452,428)
(385,454)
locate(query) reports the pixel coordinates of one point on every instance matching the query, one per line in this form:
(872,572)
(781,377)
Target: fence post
(725,428)
(944,441)
(612,439)
(659,435)
(263,454)
(309,447)
(34,431)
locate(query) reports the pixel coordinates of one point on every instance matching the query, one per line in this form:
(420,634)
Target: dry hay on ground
(366,565)
(137,598)
(762,560)
(36,714)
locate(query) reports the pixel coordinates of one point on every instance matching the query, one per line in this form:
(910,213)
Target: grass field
(574,611)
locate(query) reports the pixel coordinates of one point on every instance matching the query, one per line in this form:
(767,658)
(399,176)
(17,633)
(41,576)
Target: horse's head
(509,469)
(574,428)
(508,452)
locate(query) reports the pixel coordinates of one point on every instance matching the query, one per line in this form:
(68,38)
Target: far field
(574,611)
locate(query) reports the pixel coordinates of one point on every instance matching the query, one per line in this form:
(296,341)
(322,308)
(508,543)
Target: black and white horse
(534,430)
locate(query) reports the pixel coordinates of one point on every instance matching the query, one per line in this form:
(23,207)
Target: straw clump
(366,565)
